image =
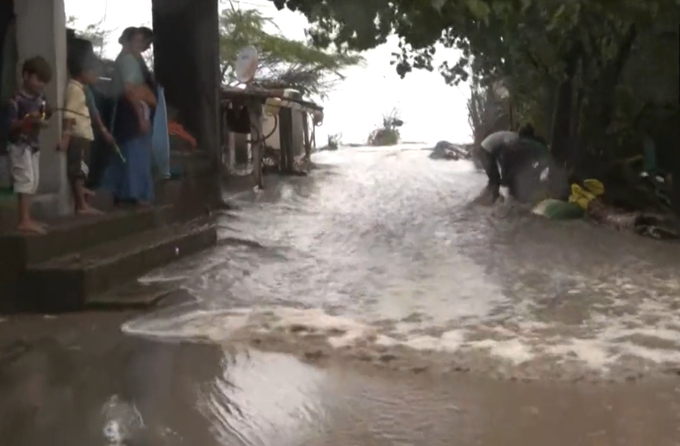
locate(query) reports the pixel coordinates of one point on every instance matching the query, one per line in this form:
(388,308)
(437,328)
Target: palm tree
(283,62)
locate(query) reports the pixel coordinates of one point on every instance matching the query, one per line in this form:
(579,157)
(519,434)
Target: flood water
(371,304)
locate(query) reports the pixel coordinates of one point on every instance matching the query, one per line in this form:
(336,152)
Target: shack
(95,261)
(265,130)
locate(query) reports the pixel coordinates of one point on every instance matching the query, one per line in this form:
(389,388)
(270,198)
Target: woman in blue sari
(129,176)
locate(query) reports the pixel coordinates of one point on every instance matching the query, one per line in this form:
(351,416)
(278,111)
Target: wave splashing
(379,256)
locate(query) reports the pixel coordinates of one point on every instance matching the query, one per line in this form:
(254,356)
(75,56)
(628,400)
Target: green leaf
(557,17)
(479,9)
(437,4)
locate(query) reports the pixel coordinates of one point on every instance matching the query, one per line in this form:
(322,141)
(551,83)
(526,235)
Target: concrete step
(77,233)
(133,295)
(69,282)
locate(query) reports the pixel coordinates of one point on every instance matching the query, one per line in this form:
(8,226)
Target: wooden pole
(283,140)
(512,117)
(286,136)
(225,143)
(256,142)
(305,130)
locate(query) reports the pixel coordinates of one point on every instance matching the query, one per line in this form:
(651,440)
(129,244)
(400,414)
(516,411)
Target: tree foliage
(283,62)
(100,37)
(94,32)
(488,110)
(567,65)
(387,134)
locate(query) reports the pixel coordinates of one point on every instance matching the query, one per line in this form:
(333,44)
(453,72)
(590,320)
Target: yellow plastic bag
(584,195)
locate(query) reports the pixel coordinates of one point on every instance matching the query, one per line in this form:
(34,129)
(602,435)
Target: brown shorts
(77,154)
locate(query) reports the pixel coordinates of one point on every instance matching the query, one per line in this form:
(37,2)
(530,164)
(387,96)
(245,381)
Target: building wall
(186,63)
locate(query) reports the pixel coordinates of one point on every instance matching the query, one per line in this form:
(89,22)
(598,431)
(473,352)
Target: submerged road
(370,304)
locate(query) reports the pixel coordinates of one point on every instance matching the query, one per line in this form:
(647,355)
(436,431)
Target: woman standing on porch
(129,176)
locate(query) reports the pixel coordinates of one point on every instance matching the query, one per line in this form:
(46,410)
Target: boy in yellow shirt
(77,135)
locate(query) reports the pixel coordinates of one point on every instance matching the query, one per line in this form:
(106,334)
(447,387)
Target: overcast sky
(431,110)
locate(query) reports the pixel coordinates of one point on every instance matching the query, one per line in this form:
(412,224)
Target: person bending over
(516,160)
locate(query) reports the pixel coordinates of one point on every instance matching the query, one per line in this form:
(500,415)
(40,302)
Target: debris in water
(122,421)
(176,251)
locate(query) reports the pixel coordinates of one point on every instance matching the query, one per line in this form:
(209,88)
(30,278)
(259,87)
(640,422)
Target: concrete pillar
(41,31)
(186,63)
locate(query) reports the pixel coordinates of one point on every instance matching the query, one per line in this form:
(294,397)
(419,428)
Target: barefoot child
(77,135)
(28,112)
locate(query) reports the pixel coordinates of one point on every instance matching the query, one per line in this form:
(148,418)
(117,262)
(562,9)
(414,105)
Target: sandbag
(558,210)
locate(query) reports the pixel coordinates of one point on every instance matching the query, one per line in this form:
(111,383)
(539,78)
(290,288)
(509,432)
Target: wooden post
(225,142)
(286,135)
(290,156)
(283,141)
(307,141)
(511,115)
(256,142)
(313,135)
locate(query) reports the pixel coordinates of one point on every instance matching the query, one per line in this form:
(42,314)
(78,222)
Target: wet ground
(370,304)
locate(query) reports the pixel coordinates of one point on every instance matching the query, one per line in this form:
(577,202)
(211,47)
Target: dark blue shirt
(91,103)
(19,106)
(125,125)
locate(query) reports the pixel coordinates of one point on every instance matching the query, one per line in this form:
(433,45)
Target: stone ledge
(76,233)
(69,282)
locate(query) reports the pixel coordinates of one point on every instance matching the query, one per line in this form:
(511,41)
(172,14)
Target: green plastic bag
(558,210)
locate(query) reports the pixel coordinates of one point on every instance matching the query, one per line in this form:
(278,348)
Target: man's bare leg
(489,195)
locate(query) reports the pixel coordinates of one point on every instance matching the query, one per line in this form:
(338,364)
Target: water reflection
(131,392)
(138,393)
(263,399)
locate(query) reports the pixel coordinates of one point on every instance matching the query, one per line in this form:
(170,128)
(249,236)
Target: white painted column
(41,31)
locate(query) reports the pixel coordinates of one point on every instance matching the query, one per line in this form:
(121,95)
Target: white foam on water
(511,334)
(592,352)
(220,326)
(149,279)
(449,341)
(194,325)
(182,269)
(514,350)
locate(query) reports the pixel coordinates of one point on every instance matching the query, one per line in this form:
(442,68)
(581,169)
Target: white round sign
(246,64)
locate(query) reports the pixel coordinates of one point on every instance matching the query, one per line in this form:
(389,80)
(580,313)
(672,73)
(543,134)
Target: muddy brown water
(369,304)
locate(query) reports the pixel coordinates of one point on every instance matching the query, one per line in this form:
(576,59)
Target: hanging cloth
(160,141)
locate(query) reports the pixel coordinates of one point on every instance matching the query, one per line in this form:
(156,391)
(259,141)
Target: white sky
(431,110)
